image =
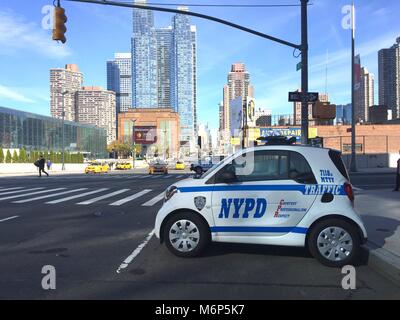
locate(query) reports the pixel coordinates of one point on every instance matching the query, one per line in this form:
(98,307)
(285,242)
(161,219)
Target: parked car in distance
(158,166)
(124,166)
(180,165)
(97,167)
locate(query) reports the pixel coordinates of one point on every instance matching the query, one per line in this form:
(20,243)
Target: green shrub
(1,155)
(22,156)
(8,156)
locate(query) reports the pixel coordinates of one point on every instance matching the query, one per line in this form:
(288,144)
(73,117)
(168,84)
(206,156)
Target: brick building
(152,130)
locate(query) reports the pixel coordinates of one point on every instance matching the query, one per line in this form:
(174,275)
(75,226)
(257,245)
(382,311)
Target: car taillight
(349,191)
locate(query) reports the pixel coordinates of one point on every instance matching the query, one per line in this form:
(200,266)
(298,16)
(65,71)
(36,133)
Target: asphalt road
(86,233)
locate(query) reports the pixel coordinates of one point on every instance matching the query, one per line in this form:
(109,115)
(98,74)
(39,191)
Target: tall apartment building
(297,111)
(119,80)
(183,75)
(61,80)
(238,86)
(164,69)
(389,78)
(364,95)
(164,48)
(97,106)
(144,59)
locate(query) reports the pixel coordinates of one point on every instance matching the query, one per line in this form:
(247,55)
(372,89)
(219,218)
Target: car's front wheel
(186,235)
(334,242)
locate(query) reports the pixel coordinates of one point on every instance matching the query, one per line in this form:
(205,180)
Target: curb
(384,262)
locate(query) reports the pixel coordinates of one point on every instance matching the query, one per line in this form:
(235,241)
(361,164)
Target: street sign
(297,96)
(299,66)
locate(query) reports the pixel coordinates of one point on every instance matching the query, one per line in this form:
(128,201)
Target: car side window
(267,165)
(299,169)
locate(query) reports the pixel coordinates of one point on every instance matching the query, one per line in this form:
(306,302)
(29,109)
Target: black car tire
(202,227)
(334,223)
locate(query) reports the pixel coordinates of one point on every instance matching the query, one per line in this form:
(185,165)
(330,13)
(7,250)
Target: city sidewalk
(380,211)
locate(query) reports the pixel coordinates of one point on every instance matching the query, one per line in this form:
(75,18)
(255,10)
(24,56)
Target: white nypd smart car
(274,195)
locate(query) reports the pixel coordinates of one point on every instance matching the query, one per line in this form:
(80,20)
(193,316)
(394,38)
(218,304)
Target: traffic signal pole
(304,72)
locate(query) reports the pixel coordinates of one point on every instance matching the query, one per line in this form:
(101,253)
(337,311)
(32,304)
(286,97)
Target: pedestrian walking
(49,164)
(41,163)
(397,175)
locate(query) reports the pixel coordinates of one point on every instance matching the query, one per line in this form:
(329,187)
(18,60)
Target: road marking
(49,195)
(103,197)
(180,176)
(8,189)
(153,201)
(357,189)
(30,194)
(130,198)
(136,252)
(168,176)
(77,196)
(18,191)
(10,218)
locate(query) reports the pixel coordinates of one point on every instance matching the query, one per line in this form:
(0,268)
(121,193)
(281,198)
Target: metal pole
(134,143)
(62,142)
(353,162)
(304,72)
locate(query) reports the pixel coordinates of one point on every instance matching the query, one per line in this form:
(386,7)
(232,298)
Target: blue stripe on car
(298,230)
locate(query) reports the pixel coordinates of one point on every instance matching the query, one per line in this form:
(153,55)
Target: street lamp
(63,130)
(133,142)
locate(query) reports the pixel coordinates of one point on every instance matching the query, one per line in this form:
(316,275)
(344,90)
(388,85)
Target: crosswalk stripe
(180,176)
(8,189)
(130,198)
(103,197)
(168,176)
(153,201)
(18,191)
(30,194)
(49,195)
(76,196)
(9,218)
(142,177)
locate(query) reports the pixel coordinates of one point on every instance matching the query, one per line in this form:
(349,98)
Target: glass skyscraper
(144,59)
(119,80)
(183,77)
(164,48)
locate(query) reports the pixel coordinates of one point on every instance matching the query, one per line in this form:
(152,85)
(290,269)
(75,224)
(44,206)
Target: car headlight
(169,193)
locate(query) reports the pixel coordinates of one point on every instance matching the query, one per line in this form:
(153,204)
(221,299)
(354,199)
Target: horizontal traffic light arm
(194,14)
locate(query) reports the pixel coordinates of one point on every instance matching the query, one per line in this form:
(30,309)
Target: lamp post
(63,130)
(133,142)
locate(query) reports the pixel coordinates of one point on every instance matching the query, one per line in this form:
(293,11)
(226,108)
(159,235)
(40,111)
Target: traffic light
(324,111)
(59,24)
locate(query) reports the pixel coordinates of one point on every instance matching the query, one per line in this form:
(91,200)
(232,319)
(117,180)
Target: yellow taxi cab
(97,167)
(180,165)
(124,166)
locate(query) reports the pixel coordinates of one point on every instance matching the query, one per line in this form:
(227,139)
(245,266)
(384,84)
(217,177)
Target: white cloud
(12,94)
(18,35)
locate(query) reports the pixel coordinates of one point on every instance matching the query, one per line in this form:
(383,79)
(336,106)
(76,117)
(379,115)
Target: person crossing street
(41,164)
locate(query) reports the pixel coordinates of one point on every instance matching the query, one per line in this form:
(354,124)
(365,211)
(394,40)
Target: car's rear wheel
(334,242)
(186,235)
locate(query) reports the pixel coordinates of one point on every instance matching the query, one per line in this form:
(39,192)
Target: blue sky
(96,32)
